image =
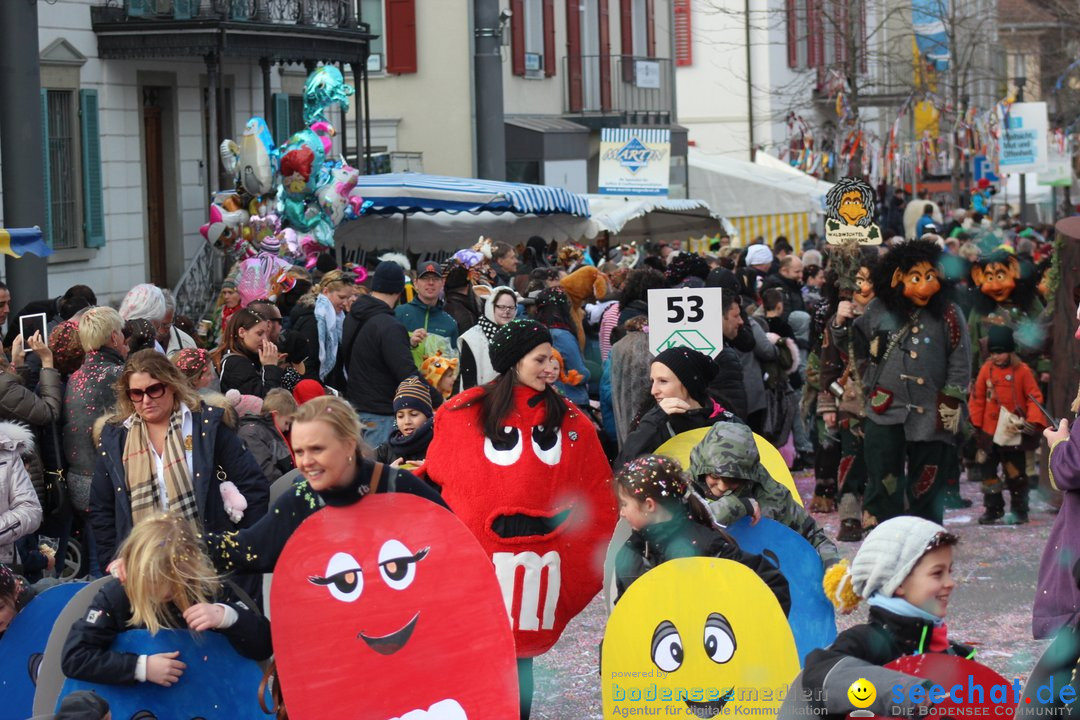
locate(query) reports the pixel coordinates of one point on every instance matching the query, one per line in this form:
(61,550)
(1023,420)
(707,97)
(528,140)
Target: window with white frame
(534,38)
(373,13)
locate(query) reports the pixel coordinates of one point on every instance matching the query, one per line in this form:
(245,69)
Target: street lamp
(1020,80)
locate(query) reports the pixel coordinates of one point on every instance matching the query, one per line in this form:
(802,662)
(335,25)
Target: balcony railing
(636,88)
(317,13)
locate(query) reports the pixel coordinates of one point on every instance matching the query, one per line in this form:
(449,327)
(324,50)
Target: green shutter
(281,118)
(46,226)
(136,8)
(182,9)
(93,200)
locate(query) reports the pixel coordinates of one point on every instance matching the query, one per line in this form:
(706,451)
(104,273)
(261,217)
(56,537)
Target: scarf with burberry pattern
(139,469)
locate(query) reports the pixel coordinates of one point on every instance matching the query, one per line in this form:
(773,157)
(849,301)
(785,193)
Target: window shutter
(517,37)
(605,56)
(136,8)
(650,28)
(281,118)
(815,48)
(183,10)
(46,224)
(792,20)
(841,30)
(549,38)
(573,55)
(93,200)
(400,36)
(684,49)
(862,49)
(626,38)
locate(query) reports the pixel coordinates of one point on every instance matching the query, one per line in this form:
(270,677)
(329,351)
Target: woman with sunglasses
(475,366)
(163,450)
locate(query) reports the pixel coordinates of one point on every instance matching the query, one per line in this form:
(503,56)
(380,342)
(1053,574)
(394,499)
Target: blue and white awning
(415,192)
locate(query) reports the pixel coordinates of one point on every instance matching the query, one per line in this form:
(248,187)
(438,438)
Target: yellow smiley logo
(862,693)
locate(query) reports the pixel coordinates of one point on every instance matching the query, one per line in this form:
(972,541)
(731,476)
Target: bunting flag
(927,20)
(16,242)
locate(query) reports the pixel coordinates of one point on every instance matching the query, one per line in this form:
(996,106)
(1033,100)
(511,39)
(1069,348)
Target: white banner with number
(686,317)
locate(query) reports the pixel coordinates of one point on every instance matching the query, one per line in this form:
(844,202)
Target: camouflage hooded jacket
(729,450)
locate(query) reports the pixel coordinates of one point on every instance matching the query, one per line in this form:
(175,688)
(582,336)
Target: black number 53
(692,311)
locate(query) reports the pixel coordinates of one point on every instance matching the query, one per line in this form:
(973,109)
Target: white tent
(761,198)
(656,218)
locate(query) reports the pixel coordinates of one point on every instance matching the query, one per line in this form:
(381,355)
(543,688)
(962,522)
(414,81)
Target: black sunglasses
(153,392)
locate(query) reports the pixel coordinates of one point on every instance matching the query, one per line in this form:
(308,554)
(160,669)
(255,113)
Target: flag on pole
(16,242)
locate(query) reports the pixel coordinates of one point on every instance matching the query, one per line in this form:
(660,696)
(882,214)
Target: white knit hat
(758,255)
(890,552)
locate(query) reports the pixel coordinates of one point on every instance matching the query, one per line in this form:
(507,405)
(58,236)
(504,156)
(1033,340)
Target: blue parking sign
(981,169)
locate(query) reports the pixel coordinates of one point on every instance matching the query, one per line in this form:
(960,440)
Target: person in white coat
(20,510)
(475,366)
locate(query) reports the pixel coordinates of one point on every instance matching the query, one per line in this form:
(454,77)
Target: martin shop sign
(634,161)
(1023,138)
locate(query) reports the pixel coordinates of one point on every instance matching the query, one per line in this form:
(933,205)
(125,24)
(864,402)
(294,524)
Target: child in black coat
(904,571)
(670,522)
(413,412)
(170,583)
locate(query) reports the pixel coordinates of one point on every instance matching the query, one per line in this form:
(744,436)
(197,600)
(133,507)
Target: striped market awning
(794,226)
(405,193)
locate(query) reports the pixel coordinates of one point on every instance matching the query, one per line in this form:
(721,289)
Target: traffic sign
(686,317)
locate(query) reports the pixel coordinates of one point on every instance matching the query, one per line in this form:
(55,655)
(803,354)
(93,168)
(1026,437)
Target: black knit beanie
(694,369)
(82,705)
(388,278)
(515,340)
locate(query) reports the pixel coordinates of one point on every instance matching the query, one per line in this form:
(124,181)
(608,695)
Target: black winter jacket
(87,655)
(463,307)
(305,330)
(792,290)
(683,537)
(241,371)
(860,652)
(727,388)
(214,446)
(407,447)
(657,427)
(379,355)
(257,548)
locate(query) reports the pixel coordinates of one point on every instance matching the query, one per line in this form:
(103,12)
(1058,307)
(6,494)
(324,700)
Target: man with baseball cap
(425,315)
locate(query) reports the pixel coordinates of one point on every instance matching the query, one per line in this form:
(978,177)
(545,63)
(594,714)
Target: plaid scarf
(139,469)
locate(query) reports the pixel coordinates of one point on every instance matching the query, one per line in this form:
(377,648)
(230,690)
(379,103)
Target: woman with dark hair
(680,401)
(247,360)
(553,310)
(524,470)
(163,450)
(634,298)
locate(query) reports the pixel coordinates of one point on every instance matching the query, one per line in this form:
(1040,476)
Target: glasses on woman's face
(153,392)
(505,308)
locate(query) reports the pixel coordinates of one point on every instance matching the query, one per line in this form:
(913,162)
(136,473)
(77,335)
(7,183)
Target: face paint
(707,627)
(920,283)
(388,608)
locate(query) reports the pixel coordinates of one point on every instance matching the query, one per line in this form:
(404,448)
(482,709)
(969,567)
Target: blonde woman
(318,319)
(327,446)
(164,450)
(169,583)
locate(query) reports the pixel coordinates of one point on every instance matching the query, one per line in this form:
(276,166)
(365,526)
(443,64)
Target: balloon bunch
(286,201)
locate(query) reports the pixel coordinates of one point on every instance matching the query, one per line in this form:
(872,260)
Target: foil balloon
(325,87)
(389,608)
(334,196)
(252,161)
(225,227)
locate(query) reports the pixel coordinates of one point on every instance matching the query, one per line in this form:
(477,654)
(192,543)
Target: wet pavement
(996,569)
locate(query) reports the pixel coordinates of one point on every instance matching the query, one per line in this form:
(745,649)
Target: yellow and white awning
(794,226)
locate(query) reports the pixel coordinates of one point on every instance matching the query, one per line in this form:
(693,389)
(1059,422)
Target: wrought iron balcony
(284,30)
(635,90)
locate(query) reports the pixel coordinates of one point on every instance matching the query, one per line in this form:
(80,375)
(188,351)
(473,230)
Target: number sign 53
(690,317)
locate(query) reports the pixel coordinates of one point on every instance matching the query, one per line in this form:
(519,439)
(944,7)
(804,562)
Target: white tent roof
(737,188)
(650,217)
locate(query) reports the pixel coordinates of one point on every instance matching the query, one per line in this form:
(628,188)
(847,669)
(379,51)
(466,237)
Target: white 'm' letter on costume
(506,565)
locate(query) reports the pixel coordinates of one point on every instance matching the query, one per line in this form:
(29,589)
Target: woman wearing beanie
(680,402)
(904,572)
(524,470)
(475,367)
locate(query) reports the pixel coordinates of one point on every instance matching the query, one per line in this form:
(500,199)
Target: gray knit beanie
(891,551)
